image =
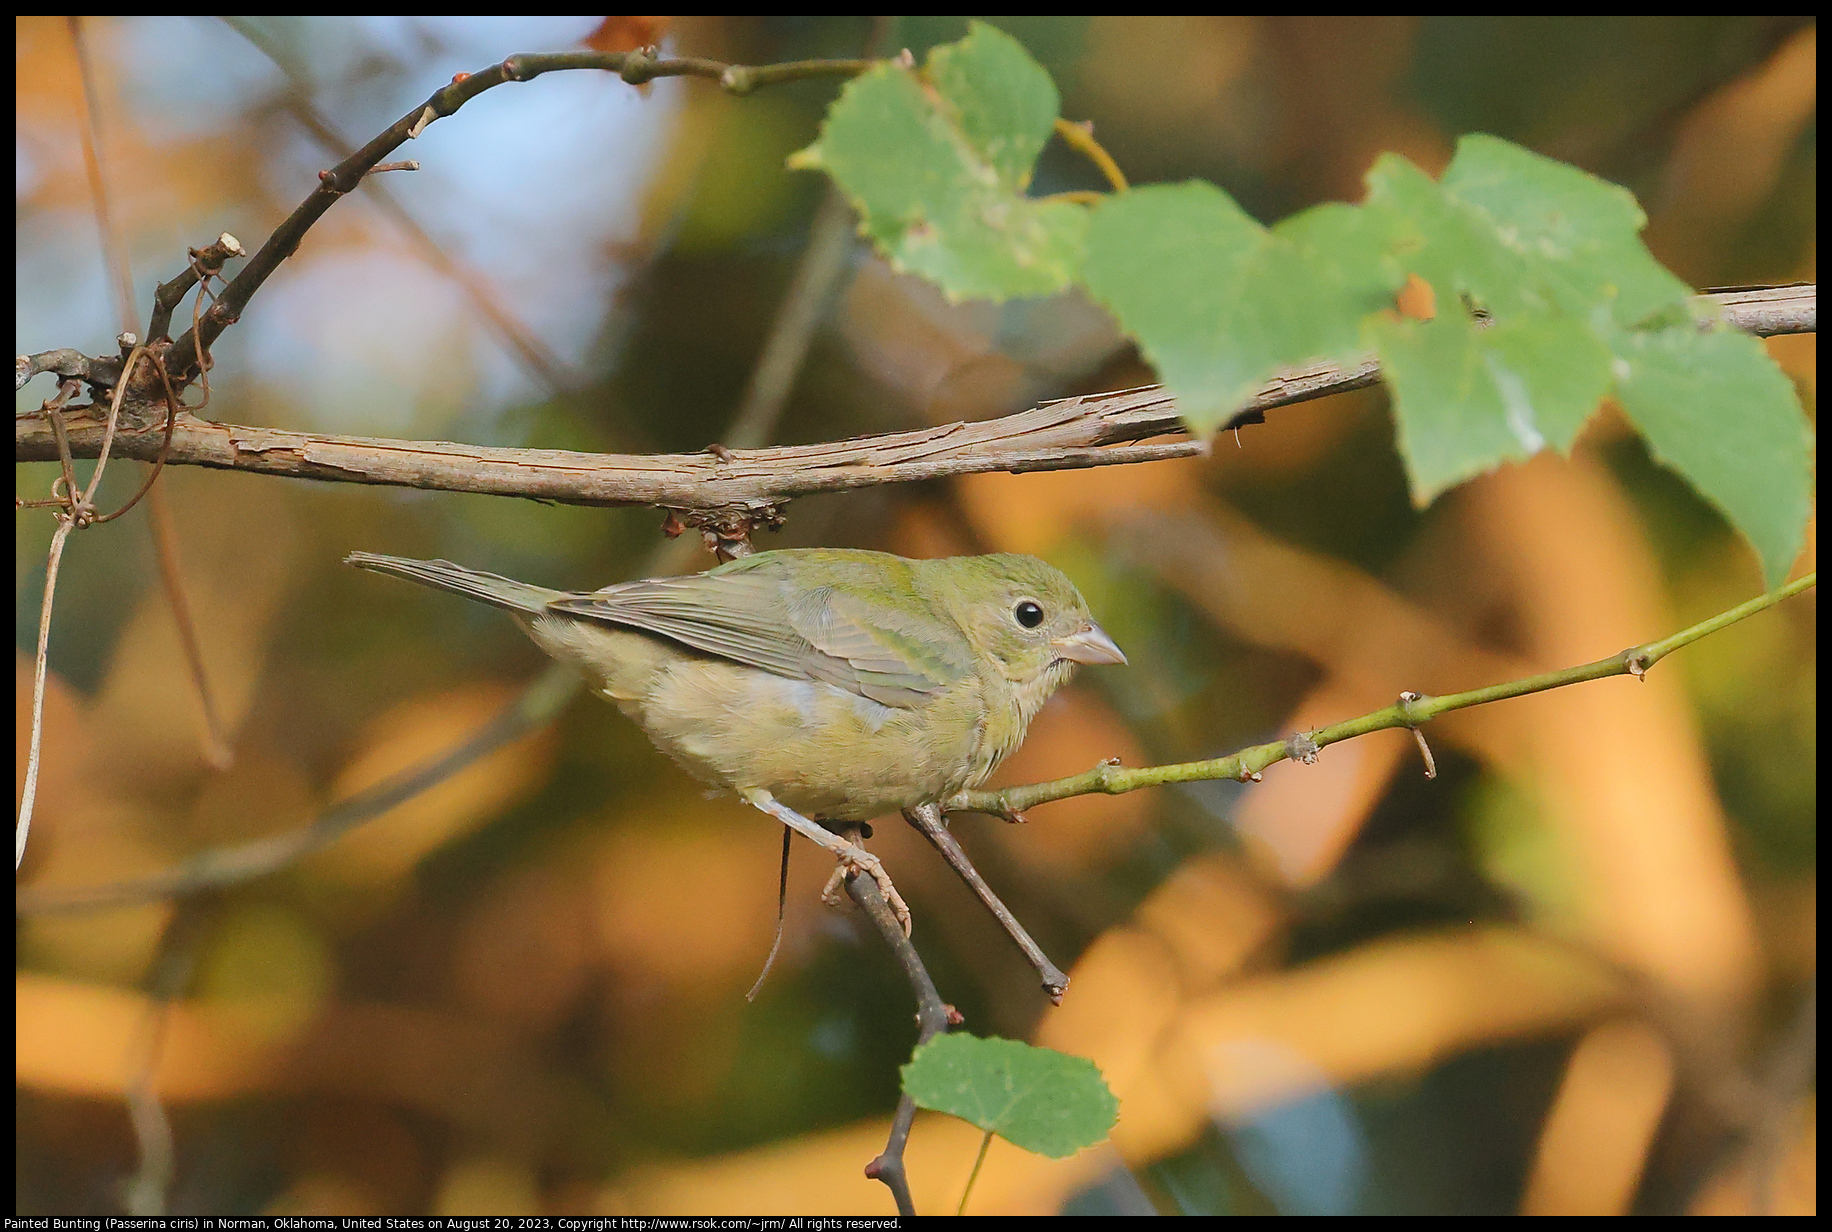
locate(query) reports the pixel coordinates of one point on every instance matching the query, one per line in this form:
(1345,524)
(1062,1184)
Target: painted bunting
(816,682)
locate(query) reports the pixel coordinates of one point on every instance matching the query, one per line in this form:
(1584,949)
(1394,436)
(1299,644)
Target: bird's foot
(852,857)
(855,859)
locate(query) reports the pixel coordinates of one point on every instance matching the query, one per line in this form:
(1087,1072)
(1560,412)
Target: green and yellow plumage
(844,684)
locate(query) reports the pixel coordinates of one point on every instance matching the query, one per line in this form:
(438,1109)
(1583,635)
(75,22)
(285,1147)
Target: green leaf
(1714,407)
(1467,396)
(1218,303)
(1004,102)
(1047,1102)
(1547,301)
(1526,258)
(1579,234)
(936,166)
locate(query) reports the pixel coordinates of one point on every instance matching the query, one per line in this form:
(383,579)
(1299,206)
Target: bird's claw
(855,859)
(830,893)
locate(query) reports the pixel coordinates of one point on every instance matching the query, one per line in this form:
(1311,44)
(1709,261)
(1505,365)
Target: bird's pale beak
(1091,645)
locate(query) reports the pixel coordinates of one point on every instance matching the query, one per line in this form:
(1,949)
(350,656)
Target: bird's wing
(896,658)
(758,620)
(740,617)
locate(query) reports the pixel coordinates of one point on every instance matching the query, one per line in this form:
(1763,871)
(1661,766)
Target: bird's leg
(833,893)
(852,857)
(928,819)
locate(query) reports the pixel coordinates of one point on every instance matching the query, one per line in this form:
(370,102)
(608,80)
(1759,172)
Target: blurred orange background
(1565,976)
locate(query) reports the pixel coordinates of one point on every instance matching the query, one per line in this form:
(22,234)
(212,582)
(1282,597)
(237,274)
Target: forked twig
(930,822)
(933,1017)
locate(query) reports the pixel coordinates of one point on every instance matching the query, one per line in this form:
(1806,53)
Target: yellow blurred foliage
(96,841)
(524,949)
(79,1038)
(1074,731)
(1602,1123)
(488,1185)
(413,733)
(1414,1000)
(63,750)
(262,793)
(321,1194)
(1032,513)
(147,709)
(1214,917)
(265,974)
(686,898)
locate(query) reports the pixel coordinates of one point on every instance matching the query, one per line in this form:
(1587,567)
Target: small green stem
(1081,137)
(1411,711)
(975,1174)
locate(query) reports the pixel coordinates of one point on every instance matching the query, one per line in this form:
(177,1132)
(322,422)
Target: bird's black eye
(1028,613)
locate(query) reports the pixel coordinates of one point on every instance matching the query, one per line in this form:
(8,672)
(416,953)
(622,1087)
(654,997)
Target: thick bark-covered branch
(746,485)
(1077,432)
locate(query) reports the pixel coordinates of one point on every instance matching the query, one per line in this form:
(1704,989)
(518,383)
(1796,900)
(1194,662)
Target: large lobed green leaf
(1047,1102)
(1531,296)
(936,165)
(1219,303)
(1715,408)
(1544,298)
(1547,302)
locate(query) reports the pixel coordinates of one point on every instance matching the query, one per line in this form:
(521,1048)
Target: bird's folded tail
(444,575)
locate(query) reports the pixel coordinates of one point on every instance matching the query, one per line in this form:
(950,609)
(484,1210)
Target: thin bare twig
(929,822)
(635,67)
(171,424)
(24,826)
(65,363)
(165,551)
(53,409)
(170,973)
(114,244)
(535,355)
(206,263)
(228,866)
(932,1018)
(84,509)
